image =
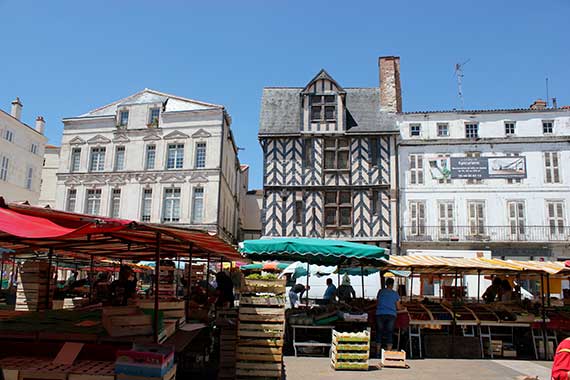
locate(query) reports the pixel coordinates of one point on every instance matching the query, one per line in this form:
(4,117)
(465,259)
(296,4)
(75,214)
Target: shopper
(506,291)
(492,293)
(561,365)
(330,292)
(386,312)
(345,291)
(295,294)
(125,288)
(224,290)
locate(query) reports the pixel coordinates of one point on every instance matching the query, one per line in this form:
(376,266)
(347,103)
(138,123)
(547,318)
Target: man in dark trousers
(386,311)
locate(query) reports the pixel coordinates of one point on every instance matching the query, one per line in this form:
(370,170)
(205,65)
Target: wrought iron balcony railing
(481,233)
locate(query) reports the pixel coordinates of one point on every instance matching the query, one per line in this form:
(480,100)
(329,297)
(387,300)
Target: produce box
(145,360)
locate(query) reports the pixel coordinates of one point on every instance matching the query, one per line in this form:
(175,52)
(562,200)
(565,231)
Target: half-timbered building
(329,159)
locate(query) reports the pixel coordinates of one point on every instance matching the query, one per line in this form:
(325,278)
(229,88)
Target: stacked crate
(32,291)
(261,329)
(226,320)
(166,286)
(350,351)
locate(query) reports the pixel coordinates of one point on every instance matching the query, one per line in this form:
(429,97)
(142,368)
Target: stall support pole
(50,256)
(307,288)
(548,289)
(382,279)
(176,277)
(412,285)
(188,283)
(478,285)
(2,272)
(440,288)
(362,279)
(208,282)
(456,286)
(13,278)
(338,275)
(91,280)
(544,340)
(156,282)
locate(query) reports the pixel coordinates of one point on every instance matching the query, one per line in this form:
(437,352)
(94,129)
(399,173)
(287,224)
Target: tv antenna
(459,75)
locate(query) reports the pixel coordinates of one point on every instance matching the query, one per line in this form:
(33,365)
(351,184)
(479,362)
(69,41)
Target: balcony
(470,234)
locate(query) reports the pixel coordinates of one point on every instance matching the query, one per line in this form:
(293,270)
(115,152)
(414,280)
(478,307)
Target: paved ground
(442,369)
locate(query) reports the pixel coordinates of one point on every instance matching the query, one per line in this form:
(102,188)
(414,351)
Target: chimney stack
(390,90)
(538,104)
(40,124)
(16,111)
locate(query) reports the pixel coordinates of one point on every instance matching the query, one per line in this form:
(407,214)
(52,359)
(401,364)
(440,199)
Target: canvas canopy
(313,251)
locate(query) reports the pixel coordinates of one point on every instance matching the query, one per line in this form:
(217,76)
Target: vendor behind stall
(295,294)
(346,292)
(492,293)
(224,290)
(330,292)
(125,288)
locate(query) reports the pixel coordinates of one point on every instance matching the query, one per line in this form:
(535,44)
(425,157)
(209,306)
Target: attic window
(323,108)
(123,118)
(154,114)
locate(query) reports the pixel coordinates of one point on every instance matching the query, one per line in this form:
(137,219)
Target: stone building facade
(330,159)
(21,156)
(153,157)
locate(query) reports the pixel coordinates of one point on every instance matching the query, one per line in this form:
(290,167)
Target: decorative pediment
(94,181)
(201,133)
(98,140)
(198,178)
(117,180)
(121,138)
(72,181)
(174,135)
(173,178)
(76,141)
(147,178)
(151,137)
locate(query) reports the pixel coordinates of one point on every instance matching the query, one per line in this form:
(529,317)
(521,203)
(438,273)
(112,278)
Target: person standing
(386,312)
(561,364)
(295,294)
(345,291)
(330,292)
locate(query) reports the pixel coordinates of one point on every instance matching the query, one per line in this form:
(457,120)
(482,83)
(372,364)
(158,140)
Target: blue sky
(63,58)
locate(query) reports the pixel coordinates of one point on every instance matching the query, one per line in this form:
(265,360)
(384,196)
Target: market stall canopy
(266,266)
(299,269)
(27,229)
(313,251)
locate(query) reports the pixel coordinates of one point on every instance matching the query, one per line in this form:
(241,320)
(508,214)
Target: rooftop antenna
(547,92)
(459,75)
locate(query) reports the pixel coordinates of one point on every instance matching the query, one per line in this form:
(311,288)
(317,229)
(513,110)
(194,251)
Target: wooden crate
(126,321)
(170,375)
(350,351)
(396,359)
(263,286)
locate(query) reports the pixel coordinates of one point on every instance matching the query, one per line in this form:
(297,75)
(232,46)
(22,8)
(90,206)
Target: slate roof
(281,111)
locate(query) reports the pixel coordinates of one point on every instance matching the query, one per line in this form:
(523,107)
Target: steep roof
(148,96)
(281,111)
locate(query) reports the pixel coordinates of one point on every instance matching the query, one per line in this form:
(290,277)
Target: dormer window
(123,118)
(153,116)
(323,108)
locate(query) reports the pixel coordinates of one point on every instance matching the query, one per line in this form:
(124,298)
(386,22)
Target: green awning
(267,266)
(314,251)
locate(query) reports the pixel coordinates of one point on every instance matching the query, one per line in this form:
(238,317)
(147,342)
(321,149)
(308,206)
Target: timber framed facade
(329,163)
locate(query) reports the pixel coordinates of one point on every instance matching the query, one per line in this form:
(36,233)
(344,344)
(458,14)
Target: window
(445,218)
(323,108)
(338,209)
(4,169)
(299,212)
(474,181)
(153,116)
(513,180)
(476,211)
(556,218)
(336,154)
(97,161)
(547,127)
(123,118)
(175,159)
(516,213)
(417,218)
(146,208)
(375,156)
(200,155)
(120,158)
(34,148)
(416,169)
(115,203)
(415,129)
(509,128)
(29,178)
(308,153)
(171,211)
(93,202)
(551,168)
(9,135)
(442,130)
(376,203)
(71,200)
(75,159)
(198,205)
(472,130)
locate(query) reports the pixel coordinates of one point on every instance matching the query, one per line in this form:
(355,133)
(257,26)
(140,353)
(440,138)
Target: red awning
(25,228)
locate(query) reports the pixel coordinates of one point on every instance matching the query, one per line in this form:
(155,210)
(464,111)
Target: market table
(310,344)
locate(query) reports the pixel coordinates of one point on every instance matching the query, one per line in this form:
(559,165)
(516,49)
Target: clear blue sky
(63,58)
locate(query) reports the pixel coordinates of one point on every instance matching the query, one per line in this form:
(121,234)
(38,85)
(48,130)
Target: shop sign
(488,167)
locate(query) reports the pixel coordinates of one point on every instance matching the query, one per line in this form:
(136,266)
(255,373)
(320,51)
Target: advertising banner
(488,167)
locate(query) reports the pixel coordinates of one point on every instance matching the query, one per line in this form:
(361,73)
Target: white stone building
(495,180)
(152,157)
(21,156)
(49,176)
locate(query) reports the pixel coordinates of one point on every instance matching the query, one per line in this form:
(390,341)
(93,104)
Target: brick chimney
(538,104)
(16,110)
(40,124)
(390,90)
